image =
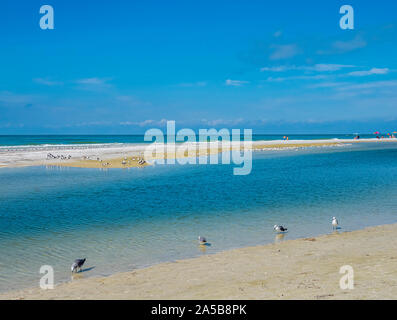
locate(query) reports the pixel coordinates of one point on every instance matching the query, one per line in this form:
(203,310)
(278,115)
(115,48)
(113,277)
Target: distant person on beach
(357,137)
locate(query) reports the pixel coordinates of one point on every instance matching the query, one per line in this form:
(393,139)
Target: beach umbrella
(376,132)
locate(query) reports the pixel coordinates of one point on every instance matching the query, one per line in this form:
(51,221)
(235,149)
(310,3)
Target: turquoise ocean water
(122,219)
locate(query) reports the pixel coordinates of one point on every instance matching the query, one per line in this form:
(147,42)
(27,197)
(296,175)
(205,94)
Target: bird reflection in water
(279,237)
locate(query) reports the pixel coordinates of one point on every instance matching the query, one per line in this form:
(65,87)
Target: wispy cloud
(278,68)
(144,123)
(192,84)
(278,34)
(322,71)
(11,99)
(370,85)
(47,82)
(322,67)
(285,51)
(89,124)
(346,46)
(369,72)
(331,67)
(327,85)
(300,77)
(94,83)
(339,46)
(130,101)
(222,122)
(236,83)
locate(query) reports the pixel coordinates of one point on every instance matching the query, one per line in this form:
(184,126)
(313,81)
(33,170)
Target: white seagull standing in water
(279,228)
(334,223)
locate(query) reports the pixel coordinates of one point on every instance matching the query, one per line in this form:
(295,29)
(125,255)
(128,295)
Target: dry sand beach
(296,269)
(114,155)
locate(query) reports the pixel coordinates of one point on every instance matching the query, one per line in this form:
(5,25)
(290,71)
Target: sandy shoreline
(114,155)
(294,269)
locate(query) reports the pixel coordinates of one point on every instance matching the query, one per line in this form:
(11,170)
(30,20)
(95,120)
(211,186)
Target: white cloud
(369,72)
(11,99)
(339,46)
(278,34)
(278,68)
(321,67)
(218,122)
(47,82)
(327,85)
(302,77)
(236,83)
(131,101)
(370,85)
(351,45)
(331,67)
(144,123)
(94,83)
(284,51)
(193,84)
(90,123)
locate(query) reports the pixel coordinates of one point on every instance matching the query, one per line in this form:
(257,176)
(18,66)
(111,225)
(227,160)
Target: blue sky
(126,66)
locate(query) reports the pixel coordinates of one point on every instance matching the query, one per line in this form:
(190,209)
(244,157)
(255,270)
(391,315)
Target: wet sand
(294,269)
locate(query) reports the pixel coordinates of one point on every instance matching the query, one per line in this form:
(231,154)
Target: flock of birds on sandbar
(141,161)
(78,263)
(61,157)
(124,162)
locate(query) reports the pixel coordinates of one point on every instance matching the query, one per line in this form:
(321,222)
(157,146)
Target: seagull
(202,240)
(334,223)
(77,264)
(279,228)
